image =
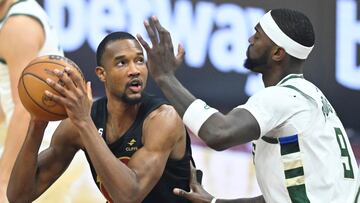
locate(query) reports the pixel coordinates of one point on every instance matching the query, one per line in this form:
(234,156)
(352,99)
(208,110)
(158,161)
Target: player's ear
(101,73)
(278,53)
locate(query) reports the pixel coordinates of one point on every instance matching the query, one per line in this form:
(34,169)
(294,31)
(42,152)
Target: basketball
(32,85)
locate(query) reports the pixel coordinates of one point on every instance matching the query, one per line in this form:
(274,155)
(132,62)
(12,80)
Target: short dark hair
(109,38)
(295,25)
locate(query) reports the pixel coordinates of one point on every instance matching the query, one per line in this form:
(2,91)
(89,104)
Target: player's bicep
(223,131)
(161,133)
(54,160)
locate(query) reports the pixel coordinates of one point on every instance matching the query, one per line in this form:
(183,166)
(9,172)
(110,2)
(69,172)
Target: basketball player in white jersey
(302,152)
(25,33)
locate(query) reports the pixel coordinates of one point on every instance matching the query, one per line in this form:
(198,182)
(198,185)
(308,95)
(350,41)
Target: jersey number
(348,170)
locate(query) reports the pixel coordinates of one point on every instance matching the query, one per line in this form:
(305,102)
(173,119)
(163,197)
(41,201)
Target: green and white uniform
(51,46)
(357,195)
(303,153)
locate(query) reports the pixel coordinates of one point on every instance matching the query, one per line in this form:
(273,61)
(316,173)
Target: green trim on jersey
(253,149)
(348,173)
(301,92)
(289,148)
(270,140)
(296,172)
(290,77)
(357,196)
(2,61)
(293,170)
(298,194)
(5,16)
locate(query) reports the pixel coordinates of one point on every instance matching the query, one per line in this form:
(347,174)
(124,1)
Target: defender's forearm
(176,93)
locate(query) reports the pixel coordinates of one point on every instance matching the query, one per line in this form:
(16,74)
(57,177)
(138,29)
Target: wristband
(196,114)
(213,200)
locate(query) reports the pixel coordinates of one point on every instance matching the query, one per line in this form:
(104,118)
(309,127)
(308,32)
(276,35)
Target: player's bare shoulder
(165,112)
(165,119)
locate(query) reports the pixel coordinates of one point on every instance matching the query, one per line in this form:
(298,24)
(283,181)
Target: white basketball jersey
(303,154)
(51,46)
(31,9)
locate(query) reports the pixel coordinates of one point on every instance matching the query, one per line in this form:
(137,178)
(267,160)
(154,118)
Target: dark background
(226,90)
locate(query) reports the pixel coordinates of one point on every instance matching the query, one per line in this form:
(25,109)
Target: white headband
(291,47)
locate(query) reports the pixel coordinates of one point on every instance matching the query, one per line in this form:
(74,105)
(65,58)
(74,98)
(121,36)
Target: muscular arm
(219,131)
(21,38)
(32,173)
(161,132)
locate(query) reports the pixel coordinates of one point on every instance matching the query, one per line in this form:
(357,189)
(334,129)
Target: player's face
(126,71)
(258,51)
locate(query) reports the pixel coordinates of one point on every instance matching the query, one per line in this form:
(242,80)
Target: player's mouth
(135,85)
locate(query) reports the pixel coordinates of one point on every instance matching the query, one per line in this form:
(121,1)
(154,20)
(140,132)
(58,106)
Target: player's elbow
(216,141)
(129,196)
(216,137)
(17,197)
(126,199)
(216,146)
(17,192)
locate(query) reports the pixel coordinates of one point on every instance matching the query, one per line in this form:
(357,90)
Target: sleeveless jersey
(33,10)
(176,172)
(303,154)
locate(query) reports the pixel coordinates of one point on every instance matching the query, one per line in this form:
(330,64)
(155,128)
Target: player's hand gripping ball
(32,86)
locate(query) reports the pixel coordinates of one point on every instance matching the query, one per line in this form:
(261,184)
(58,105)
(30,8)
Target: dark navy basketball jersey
(176,173)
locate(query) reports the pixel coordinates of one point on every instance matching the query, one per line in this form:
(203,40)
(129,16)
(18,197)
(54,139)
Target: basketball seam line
(33,99)
(77,68)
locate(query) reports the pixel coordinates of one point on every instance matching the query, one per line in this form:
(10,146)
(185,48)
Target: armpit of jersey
(273,106)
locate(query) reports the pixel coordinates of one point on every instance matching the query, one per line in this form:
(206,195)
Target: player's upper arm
(162,130)
(54,160)
(21,39)
(221,131)
(264,111)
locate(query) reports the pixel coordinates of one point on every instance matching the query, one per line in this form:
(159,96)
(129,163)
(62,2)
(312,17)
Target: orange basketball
(32,86)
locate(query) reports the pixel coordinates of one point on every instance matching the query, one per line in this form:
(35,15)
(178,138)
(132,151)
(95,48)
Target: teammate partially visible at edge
(302,152)
(136,144)
(25,33)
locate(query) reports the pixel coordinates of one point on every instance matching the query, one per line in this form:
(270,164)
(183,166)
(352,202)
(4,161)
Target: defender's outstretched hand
(197,193)
(161,58)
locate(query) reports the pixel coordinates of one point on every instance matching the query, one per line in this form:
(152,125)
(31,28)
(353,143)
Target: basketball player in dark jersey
(136,144)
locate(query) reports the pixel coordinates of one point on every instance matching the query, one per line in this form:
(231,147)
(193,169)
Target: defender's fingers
(180,55)
(164,34)
(143,43)
(193,177)
(151,33)
(153,27)
(180,192)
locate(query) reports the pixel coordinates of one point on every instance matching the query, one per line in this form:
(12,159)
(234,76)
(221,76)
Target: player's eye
(121,63)
(140,60)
